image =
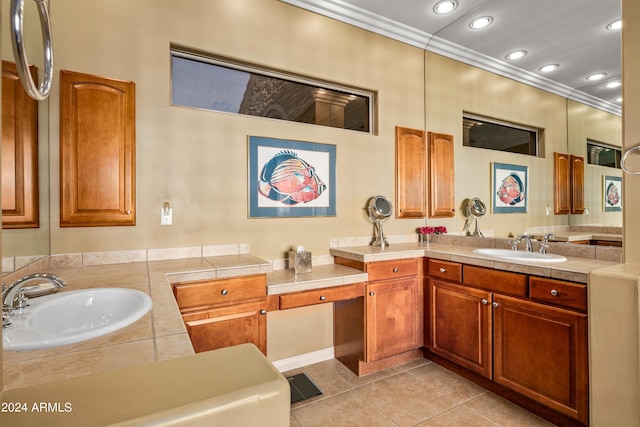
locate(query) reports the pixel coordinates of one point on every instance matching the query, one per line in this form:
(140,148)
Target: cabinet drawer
(445,270)
(321,296)
(557,292)
(383,270)
(222,291)
(495,280)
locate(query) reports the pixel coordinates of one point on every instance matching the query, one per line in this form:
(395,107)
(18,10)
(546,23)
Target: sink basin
(72,317)
(520,255)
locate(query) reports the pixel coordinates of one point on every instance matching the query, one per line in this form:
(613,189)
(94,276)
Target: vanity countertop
(574,236)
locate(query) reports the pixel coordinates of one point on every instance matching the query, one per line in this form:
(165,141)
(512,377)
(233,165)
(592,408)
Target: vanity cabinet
(383,328)
(97,151)
(441,176)
(568,184)
(224,312)
(19,152)
(411,175)
(525,333)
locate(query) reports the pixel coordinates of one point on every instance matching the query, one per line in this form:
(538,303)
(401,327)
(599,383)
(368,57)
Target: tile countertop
(575,269)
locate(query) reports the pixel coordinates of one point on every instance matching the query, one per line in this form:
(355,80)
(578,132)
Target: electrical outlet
(166,216)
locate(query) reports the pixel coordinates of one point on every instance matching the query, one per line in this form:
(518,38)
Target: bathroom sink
(520,255)
(72,317)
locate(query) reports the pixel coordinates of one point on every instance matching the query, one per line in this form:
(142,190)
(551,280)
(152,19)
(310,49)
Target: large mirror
(23,246)
(585,123)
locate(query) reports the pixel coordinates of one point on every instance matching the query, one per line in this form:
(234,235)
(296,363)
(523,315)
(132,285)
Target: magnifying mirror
(380,209)
(476,209)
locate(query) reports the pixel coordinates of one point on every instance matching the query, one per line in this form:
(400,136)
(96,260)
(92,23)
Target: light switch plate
(166,216)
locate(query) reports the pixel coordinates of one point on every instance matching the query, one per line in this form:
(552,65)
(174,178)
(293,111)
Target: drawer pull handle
(442,269)
(371,293)
(495,304)
(322,298)
(554,292)
(484,301)
(224,292)
(263,312)
(395,269)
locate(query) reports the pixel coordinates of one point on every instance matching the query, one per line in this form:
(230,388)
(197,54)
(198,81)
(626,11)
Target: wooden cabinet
(568,184)
(383,328)
(224,312)
(97,151)
(441,176)
(19,152)
(411,177)
(533,341)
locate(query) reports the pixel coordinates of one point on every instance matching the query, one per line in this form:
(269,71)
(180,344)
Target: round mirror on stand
(476,209)
(380,209)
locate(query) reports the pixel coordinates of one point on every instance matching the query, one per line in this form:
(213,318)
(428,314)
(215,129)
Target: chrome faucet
(9,299)
(545,242)
(527,242)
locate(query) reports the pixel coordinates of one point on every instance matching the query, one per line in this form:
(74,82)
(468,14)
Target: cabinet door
(541,352)
(228,326)
(562,180)
(441,176)
(460,325)
(19,152)
(411,177)
(97,151)
(391,313)
(577,184)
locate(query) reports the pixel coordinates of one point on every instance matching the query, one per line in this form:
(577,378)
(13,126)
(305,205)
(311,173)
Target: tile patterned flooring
(419,393)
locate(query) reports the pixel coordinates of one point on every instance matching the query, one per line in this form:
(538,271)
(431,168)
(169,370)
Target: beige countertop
(574,236)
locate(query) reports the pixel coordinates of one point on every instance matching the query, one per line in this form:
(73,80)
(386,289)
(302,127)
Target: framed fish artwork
(509,188)
(612,193)
(290,178)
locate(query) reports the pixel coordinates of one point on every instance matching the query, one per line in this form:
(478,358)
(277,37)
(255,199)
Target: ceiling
(570,33)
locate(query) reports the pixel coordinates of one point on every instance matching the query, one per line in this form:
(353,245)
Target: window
(219,84)
(603,154)
(481,132)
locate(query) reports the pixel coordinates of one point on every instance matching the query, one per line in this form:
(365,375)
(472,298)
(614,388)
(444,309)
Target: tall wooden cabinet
(441,176)
(19,152)
(97,151)
(411,177)
(568,184)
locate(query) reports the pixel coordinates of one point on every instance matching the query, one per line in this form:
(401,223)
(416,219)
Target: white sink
(72,317)
(520,255)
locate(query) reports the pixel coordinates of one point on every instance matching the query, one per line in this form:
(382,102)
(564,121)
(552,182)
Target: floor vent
(302,387)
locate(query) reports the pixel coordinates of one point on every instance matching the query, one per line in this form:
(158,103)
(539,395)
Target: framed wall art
(290,178)
(612,193)
(509,188)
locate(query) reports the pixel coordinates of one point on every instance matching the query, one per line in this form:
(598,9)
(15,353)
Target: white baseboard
(301,360)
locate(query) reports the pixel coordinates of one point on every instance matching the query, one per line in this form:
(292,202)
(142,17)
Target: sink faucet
(527,242)
(545,242)
(9,299)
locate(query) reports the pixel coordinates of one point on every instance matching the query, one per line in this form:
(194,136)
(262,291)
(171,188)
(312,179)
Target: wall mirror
(23,246)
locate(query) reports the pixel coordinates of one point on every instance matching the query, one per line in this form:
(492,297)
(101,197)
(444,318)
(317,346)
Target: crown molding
(353,15)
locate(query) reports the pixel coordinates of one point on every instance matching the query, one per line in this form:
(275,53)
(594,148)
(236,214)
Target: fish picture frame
(509,188)
(289,178)
(612,193)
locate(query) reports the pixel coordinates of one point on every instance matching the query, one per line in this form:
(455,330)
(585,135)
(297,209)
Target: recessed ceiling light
(481,22)
(615,25)
(548,68)
(445,6)
(596,76)
(612,85)
(516,54)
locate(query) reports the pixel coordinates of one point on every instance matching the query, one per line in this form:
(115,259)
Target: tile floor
(419,393)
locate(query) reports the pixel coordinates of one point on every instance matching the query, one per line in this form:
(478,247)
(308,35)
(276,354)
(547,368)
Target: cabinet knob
(554,292)
(494,304)
(371,293)
(224,292)
(322,298)
(442,269)
(128,211)
(395,269)
(263,312)
(484,301)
